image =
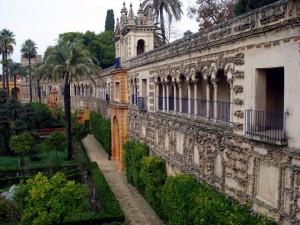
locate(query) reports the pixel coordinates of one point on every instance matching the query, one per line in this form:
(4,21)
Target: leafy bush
(134,152)
(8,211)
(100,128)
(177,199)
(181,199)
(153,175)
(49,201)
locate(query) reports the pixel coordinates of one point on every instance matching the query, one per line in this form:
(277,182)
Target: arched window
(140,47)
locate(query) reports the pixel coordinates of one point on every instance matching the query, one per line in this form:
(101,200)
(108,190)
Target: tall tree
(110,20)
(68,62)
(244,6)
(173,8)
(210,12)
(100,45)
(39,71)
(7,41)
(28,50)
(14,70)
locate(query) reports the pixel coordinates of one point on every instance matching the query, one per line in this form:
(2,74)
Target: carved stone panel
(268,183)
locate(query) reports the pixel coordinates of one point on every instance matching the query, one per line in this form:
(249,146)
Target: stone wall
(246,170)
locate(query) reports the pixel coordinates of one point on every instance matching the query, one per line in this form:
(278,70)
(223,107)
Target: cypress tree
(110,21)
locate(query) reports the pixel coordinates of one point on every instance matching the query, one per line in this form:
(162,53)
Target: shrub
(177,199)
(45,200)
(134,152)
(100,128)
(8,211)
(152,175)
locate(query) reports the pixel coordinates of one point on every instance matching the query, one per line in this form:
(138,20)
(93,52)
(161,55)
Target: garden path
(136,210)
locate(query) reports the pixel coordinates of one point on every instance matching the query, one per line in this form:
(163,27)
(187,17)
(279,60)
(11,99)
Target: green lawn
(40,159)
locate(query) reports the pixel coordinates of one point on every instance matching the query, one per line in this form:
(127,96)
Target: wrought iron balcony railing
(266,126)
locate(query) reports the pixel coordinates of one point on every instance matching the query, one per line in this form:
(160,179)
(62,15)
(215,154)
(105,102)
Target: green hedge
(134,152)
(70,172)
(152,175)
(181,199)
(109,203)
(100,128)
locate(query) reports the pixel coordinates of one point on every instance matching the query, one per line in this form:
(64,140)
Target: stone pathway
(137,211)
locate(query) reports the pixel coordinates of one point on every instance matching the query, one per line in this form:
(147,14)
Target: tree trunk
(162,25)
(39,91)
(6,73)
(3,71)
(67,103)
(30,85)
(7,82)
(15,86)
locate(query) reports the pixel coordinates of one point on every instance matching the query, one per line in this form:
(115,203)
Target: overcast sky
(43,20)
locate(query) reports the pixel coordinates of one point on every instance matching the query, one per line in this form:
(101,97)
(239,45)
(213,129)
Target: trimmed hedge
(134,152)
(152,175)
(108,200)
(100,128)
(181,199)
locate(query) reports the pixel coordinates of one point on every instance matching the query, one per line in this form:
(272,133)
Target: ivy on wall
(101,129)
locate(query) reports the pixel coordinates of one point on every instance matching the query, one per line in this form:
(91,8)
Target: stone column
(180,96)
(175,97)
(167,97)
(163,97)
(231,102)
(215,101)
(157,95)
(189,99)
(195,99)
(207,100)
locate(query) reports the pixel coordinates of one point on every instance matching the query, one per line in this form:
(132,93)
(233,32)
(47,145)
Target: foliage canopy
(49,200)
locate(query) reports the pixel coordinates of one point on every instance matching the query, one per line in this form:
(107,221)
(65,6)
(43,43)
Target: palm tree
(39,72)
(68,62)
(28,51)
(171,7)
(7,41)
(14,70)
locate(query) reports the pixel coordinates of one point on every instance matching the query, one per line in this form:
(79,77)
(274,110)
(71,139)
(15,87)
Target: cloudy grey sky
(43,20)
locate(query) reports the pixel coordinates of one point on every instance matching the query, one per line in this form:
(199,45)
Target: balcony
(266,126)
(142,103)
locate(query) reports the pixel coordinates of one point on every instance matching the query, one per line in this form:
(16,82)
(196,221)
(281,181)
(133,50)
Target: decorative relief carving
(238,89)
(272,14)
(239,113)
(238,126)
(238,101)
(239,59)
(238,74)
(248,23)
(219,34)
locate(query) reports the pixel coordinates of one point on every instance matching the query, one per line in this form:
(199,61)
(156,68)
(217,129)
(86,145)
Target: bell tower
(134,35)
